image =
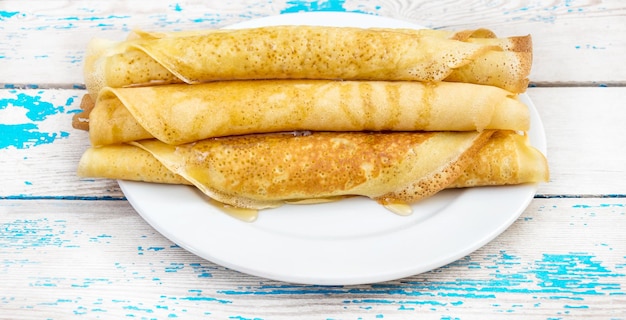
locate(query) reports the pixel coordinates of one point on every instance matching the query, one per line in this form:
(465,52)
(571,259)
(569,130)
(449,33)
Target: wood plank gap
(578,84)
(79,198)
(44,86)
(579,196)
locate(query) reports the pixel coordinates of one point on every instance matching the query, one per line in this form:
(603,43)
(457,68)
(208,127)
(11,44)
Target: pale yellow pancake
(309,52)
(177,114)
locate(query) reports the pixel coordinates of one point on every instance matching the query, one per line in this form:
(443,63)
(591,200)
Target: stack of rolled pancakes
(259,117)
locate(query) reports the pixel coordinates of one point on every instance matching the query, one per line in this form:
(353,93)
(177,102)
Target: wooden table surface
(73,247)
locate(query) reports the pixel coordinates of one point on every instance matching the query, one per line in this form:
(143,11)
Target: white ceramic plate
(353,241)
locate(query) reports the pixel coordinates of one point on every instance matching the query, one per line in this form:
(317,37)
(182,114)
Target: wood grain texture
(74,248)
(585,139)
(49,38)
(100,259)
(39,149)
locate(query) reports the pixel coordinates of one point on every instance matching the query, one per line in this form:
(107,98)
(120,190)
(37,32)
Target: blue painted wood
(501,278)
(31,34)
(75,248)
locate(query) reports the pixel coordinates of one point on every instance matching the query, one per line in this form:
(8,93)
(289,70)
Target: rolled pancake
(304,52)
(506,159)
(256,172)
(177,114)
(264,170)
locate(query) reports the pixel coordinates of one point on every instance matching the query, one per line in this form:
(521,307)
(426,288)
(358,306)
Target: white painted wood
(39,149)
(65,252)
(48,38)
(586,139)
(100,259)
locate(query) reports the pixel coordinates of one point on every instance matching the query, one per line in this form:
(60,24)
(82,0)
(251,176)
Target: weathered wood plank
(585,134)
(584,129)
(48,38)
(60,258)
(562,257)
(39,149)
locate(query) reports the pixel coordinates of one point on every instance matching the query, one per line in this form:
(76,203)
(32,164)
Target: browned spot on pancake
(521,44)
(278,164)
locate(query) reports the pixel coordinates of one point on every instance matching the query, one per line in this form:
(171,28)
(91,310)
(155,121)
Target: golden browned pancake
(260,171)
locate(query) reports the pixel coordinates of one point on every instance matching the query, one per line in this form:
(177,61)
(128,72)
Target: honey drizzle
(399,208)
(243,214)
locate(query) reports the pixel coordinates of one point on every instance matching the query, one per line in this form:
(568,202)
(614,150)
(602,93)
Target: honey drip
(243,214)
(399,208)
